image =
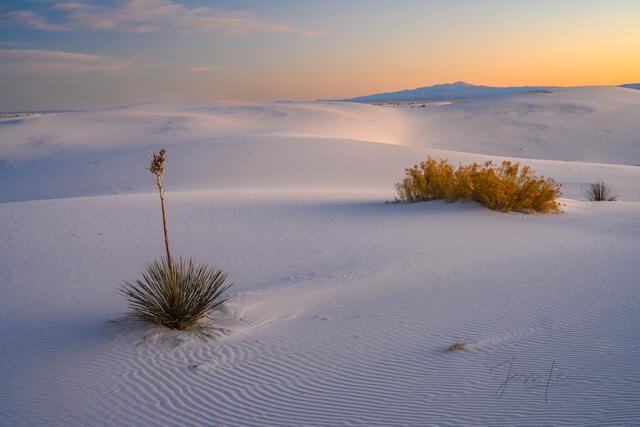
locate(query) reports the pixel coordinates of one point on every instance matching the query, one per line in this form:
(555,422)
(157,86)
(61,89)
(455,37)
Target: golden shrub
(506,187)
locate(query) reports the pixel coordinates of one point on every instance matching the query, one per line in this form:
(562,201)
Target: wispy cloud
(70,5)
(32,20)
(213,20)
(206,68)
(5,43)
(144,16)
(311,34)
(35,61)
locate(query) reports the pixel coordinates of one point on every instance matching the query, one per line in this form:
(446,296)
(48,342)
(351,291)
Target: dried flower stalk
(157,168)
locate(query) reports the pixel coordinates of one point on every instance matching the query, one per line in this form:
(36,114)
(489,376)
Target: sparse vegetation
(157,169)
(600,192)
(506,187)
(458,345)
(175,295)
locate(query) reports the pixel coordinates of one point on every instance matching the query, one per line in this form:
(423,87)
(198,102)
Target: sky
(99,53)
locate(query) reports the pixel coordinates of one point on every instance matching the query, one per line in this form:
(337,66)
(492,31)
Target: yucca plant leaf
(175,297)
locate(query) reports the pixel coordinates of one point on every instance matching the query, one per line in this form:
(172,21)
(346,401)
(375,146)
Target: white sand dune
(343,305)
(587,124)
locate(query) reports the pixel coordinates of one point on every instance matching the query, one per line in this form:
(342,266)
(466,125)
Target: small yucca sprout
(600,192)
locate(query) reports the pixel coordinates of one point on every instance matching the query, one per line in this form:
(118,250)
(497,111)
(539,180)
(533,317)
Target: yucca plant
(175,295)
(600,192)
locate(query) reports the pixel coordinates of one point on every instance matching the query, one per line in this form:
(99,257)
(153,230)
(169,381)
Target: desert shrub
(175,297)
(430,180)
(506,187)
(458,345)
(172,294)
(600,192)
(509,188)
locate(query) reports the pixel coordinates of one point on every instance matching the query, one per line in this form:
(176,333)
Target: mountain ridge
(456,90)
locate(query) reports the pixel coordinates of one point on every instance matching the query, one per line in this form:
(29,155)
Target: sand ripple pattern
(551,326)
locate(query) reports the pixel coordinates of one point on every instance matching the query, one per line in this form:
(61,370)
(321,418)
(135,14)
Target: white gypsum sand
(343,306)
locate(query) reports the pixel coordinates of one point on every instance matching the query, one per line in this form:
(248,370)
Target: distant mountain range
(458,90)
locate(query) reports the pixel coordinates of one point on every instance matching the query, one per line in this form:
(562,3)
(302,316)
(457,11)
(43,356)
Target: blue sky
(87,54)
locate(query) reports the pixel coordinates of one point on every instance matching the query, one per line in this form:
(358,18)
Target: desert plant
(175,295)
(509,188)
(600,192)
(157,169)
(506,187)
(458,345)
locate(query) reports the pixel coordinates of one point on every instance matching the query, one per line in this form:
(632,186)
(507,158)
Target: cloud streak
(32,20)
(145,16)
(71,5)
(205,68)
(50,62)
(311,34)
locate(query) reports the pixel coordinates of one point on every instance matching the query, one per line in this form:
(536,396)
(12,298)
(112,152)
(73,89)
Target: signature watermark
(511,376)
